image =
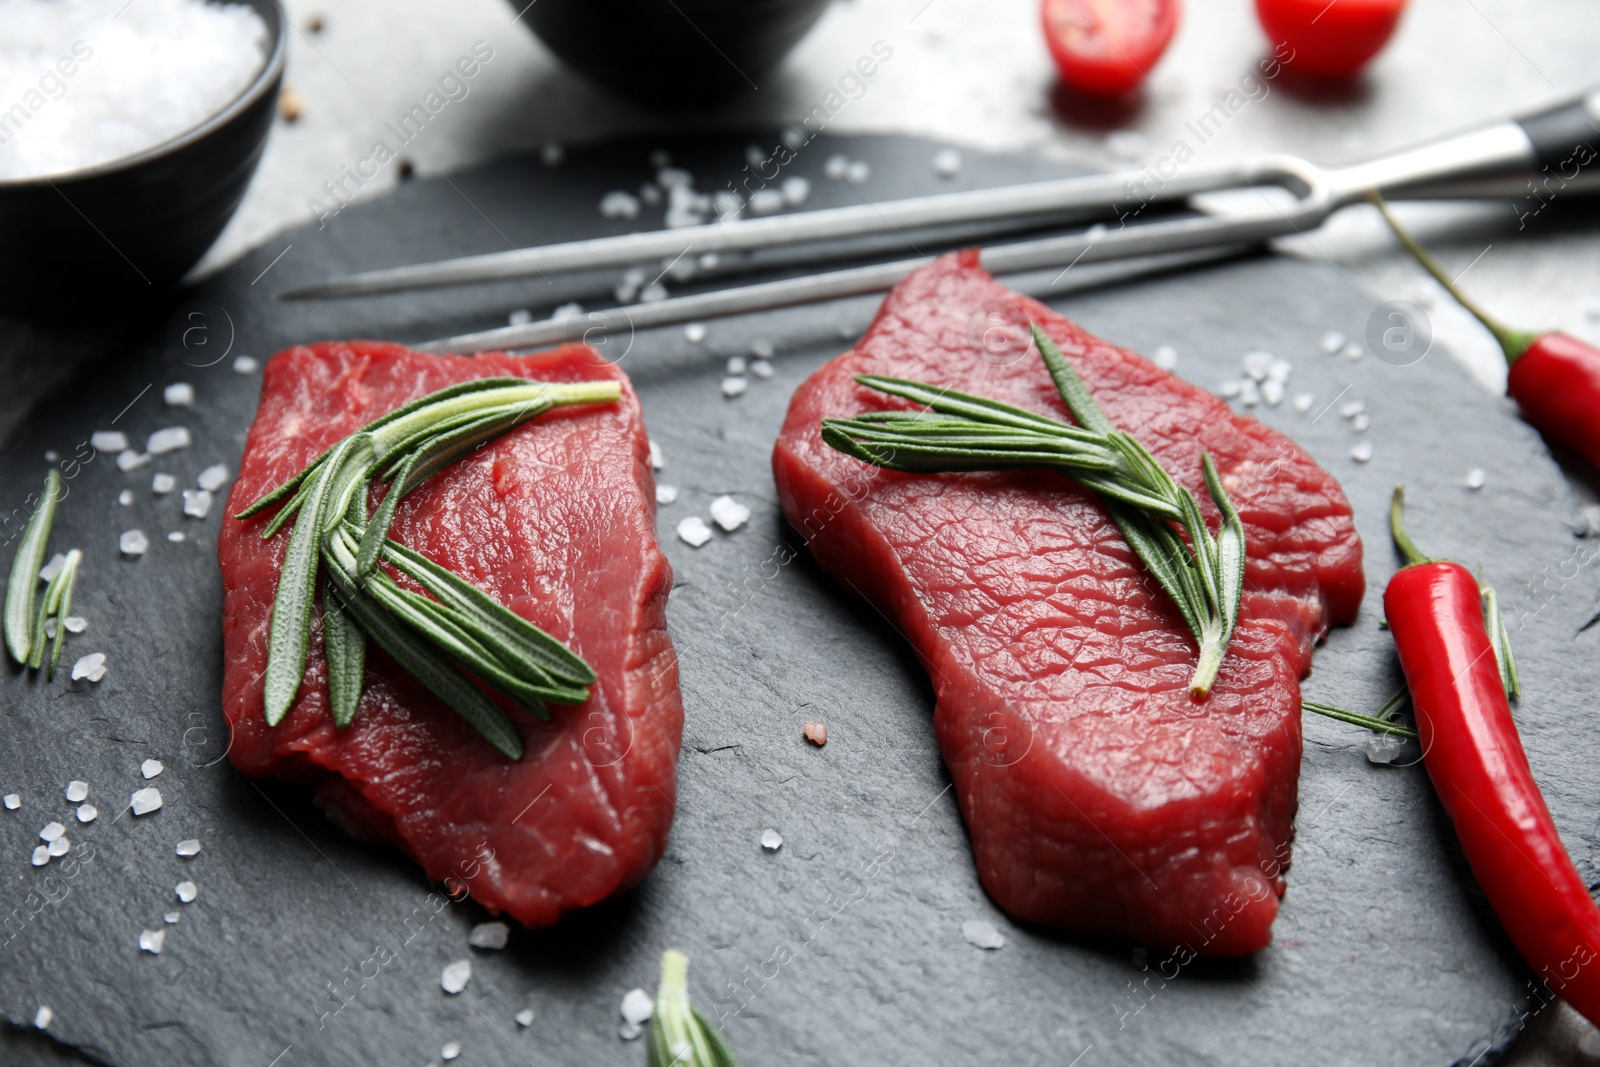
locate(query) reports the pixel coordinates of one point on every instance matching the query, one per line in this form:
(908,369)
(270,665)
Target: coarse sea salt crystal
(1272,392)
(175,536)
(133,542)
(151,767)
(1354,351)
(213,478)
(1476,478)
(169,917)
(92,667)
(1351,408)
(737,365)
(519,317)
(1280,370)
(187,891)
(619,205)
(196,503)
(50,570)
(630,1031)
(771,840)
(1384,748)
(108,440)
(761,368)
(836,167)
(637,1007)
(43,1017)
(189,846)
(796,190)
(129,460)
(695,332)
(728,513)
(666,494)
(766,202)
(524,1018)
(88,813)
(161,484)
(152,940)
(653,293)
(1229,390)
(1302,402)
(947,163)
(450,1051)
(246,365)
(981,933)
(1361,423)
(41,855)
(455,976)
(60,846)
(13,801)
(178,395)
(762,348)
(145,801)
(694,531)
(657,460)
(77,790)
(168,439)
(1332,341)
(491,935)
(858,172)
(1362,452)
(1249,393)
(51,831)
(1257,364)
(1165,357)
(734,386)
(125,498)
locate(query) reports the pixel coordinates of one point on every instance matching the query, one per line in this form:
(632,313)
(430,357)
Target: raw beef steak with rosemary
(556,520)
(1101,798)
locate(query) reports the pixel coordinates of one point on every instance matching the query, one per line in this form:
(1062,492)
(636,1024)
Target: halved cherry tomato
(1329,38)
(1106,47)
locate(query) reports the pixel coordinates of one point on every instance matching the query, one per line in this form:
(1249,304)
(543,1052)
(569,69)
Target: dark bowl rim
(271,71)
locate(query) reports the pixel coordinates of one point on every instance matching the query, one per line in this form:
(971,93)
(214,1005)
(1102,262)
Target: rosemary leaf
(23,586)
(679,1035)
(64,608)
(50,607)
(1382,725)
(346,648)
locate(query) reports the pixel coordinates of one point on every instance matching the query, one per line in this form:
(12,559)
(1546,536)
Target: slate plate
(846,945)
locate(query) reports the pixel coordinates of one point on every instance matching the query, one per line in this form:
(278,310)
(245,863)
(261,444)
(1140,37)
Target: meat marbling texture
(556,520)
(1100,797)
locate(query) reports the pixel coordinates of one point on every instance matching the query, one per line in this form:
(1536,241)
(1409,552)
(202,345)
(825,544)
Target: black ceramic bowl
(670,54)
(101,237)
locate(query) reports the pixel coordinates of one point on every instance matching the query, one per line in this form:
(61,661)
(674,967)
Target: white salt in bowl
(100,238)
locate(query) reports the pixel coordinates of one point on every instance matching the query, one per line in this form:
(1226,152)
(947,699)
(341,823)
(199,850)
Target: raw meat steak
(556,520)
(1099,796)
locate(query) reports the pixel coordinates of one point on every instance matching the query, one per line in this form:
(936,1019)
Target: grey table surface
(968,73)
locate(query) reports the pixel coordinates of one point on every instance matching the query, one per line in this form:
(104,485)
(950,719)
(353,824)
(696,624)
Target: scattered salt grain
(162,484)
(674,178)
(1332,341)
(151,767)
(1476,478)
(1231,389)
(657,461)
(145,801)
(1362,452)
(858,172)
(178,395)
(1272,392)
(630,1031)
(51,455)
(709,261)
(108,440)
(450,1051)
(189,847)
(1257,364)
(196,503)
(796,190)
(771,840)
(836,168)
(1249,393)
(246,365)
(737,365)
(1166,357)
(947,163)
(1280,370)
(129,460)
(519,317)
(524,1018)
(43,1017)
(152,940)
(60,846)
(41,855)
(213,478)
(1351,408)
(169,917)
(981,932)
(1354,351)
(13,801)
(1302,402)
(1383,748)
(92,667)
(816,733)
(492,935)
(761,368)
(734,386)
(455,976)
(766,202)
(695,332)
(666,494)
(552,154)
(653,293)
(169,439)
(48,572)
(77,791)
(125,498)
(88,813)
(51,831)
(637,1007)
(186,891)
(728,513)
(1361,423)
(175,536)
(694,531)
(619,205)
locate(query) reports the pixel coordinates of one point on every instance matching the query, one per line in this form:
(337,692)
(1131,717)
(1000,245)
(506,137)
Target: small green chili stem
(1397,527)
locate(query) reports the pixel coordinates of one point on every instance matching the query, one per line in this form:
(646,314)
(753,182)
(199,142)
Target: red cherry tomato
(1329,38)
(1106,47)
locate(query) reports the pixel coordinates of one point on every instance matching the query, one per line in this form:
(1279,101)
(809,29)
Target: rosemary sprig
(679,1035)
(23,585)
(1204,575)
(429,636)
(1386,721)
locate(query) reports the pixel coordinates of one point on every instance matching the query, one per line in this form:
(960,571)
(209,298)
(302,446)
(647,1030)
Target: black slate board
(845,946)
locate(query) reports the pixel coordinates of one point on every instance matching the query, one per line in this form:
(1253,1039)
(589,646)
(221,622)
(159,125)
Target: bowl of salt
(129,130)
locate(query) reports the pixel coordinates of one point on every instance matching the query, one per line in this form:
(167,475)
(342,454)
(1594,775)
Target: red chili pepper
(1475,759)
(1554,378)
